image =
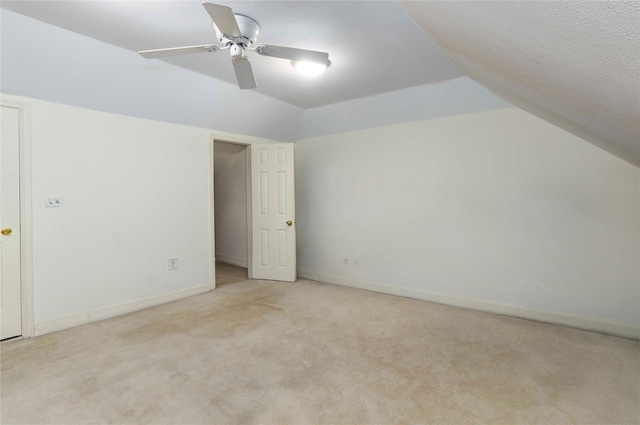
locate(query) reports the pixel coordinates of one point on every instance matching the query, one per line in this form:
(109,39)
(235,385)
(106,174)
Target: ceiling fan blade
(223,18)
(160,53)
(293,54)
(244,73)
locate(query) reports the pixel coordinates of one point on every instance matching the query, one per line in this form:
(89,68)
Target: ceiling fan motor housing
(249,29)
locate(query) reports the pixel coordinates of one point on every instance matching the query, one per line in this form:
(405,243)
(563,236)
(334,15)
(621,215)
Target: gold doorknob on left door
(6,232)
(289,223)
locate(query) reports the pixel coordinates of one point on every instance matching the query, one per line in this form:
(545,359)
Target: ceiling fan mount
(239,33)
(249,30)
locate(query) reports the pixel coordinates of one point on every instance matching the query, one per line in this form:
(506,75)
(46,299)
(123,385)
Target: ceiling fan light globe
(310,69)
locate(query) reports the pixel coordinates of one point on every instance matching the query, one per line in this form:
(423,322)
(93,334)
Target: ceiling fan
(239,33)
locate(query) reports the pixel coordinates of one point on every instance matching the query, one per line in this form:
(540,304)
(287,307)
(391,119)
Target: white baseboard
(108,312)
(234,261)
(579,322)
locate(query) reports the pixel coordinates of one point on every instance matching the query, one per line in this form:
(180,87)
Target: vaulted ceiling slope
(574,64)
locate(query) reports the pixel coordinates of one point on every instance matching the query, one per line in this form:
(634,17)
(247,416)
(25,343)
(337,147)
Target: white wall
(230,177)
(136,193)
(496,210)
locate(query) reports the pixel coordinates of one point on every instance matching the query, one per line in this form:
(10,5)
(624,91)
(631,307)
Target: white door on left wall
(10,292)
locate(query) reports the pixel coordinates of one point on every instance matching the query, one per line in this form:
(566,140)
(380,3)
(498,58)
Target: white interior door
(10,294)
(273,229)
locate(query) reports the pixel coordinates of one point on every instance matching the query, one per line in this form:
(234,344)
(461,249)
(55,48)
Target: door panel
(272,207)
(10,293)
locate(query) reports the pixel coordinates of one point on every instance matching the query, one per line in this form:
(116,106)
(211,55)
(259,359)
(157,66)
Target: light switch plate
(53,202)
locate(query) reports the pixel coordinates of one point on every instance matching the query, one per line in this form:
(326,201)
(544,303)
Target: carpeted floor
(226,273)
(259,352)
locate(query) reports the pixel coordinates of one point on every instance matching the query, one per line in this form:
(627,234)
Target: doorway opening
(231,211)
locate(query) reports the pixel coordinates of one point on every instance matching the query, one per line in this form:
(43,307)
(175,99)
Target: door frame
(247,154)
(23,106)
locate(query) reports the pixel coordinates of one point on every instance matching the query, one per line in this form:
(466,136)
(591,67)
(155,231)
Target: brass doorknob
(289,223)
(6,232)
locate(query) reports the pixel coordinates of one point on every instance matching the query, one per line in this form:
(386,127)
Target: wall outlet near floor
(351,262)
(173,264)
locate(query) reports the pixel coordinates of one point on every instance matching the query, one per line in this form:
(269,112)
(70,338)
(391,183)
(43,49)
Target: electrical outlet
(173,264)
(351,262)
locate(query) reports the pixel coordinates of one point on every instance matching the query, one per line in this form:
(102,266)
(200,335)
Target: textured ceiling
(374,46)
(574,64)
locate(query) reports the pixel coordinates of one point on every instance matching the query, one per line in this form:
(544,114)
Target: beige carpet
(257,352)
(226,273)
